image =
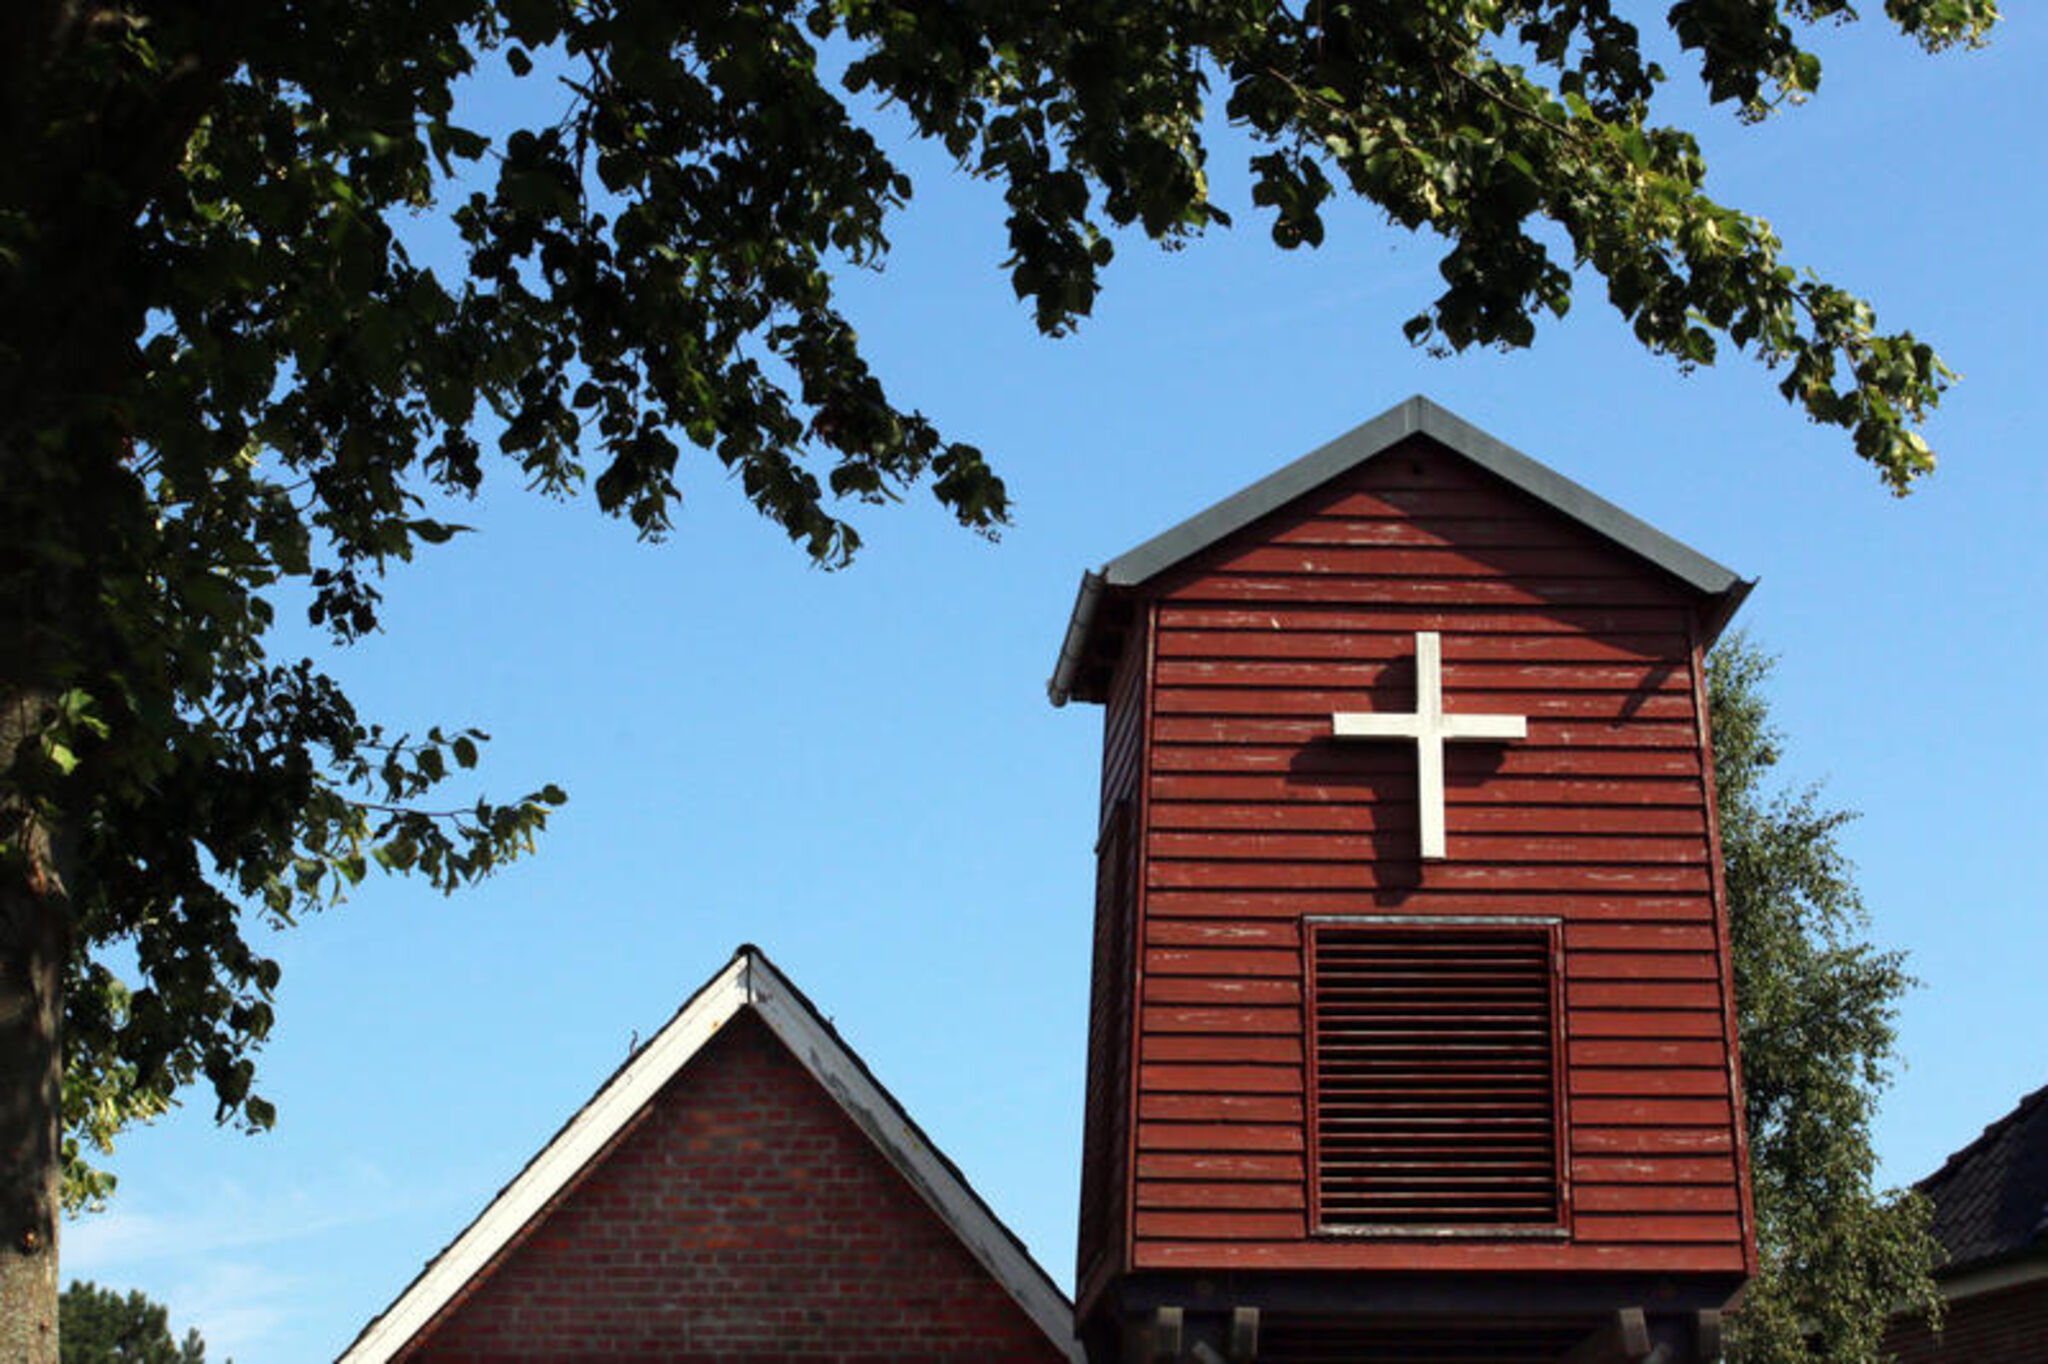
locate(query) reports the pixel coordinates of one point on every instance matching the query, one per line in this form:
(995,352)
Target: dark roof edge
(1993,1130)
(1723,610)
(1080,624)
(1419,416)
(1415,416)
(2033,1253)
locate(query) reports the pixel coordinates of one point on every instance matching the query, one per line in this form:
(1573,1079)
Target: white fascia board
(935,1179)
(582,1137)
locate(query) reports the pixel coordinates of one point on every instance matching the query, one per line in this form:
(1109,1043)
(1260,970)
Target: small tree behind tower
(1817,1005)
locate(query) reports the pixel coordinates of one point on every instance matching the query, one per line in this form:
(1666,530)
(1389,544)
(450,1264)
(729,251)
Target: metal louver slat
(1435,1087)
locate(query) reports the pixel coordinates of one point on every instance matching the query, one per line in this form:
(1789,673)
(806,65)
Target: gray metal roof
(1416,416)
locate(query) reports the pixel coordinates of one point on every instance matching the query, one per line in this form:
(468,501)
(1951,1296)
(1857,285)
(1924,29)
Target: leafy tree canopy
(102,1327)
(1817,1005)
(223,373)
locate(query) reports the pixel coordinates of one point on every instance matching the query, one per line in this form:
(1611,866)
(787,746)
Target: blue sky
(859,771)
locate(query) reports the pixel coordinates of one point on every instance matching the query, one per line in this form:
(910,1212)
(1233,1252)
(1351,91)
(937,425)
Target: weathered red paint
(1250,819)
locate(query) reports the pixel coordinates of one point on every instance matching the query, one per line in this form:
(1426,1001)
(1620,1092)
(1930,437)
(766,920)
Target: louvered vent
(1435,1076)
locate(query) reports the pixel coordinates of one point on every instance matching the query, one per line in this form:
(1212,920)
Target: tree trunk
(34,937)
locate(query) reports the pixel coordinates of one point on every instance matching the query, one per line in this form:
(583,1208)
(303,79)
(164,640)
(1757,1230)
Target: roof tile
(1991,1198)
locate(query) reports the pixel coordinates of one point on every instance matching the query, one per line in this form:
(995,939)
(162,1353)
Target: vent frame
(1548,930)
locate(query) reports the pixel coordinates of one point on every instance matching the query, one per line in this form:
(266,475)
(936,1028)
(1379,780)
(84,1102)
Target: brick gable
(740,1216)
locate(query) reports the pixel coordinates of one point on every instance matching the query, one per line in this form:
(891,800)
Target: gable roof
(1991,1198)
(750,982)
(1720,586)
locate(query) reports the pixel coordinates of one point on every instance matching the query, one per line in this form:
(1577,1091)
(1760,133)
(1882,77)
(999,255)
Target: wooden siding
(1254,819)
(1102,1247)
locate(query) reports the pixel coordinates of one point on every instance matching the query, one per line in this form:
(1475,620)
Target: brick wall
(2009,1326)
(742,1217)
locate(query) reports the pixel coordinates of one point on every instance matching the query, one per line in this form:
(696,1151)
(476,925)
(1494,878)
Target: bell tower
(1411,1026)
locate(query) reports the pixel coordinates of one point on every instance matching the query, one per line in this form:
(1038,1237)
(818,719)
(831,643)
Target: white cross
(1429,727)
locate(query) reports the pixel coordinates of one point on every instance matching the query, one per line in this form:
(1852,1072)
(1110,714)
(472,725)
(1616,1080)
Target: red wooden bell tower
(1412,1032)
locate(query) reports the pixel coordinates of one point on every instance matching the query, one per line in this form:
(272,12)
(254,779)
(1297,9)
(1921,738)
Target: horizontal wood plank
(1165,1018)
(1207,1166)
(1651,1169)
(1428,562)
(1463,532)
(1237,1196)
(1256,990)
(1365,815)
(1459,875)
(1682,794)
(1212,1048)
(1463,680)
(1429,505)
(1642,966)
(1595,622)
(1700,1081)
(1668,654)
(1677,1141)
(1656,1112)
(1654,994)
(1641,1054)
(1360,759)
(1218,1138)
(1232,963)
(1221,904)
(1220,1225)
(1458,1256)
(1315,846)
(1266,1108)
(1204,1078)
(1208,933)
(1481,592)
(1655,1198)
(1582,936)
(1220,715)
(1637,1023)
(1700,1227)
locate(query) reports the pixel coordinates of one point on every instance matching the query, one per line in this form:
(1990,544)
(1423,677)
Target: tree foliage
(1817,1005)
(224,376)
(102,1327)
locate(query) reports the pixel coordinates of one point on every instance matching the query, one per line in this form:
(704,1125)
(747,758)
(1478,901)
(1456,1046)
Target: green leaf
(435,532)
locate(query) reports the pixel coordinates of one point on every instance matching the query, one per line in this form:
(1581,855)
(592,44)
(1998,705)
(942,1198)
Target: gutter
(1074,647)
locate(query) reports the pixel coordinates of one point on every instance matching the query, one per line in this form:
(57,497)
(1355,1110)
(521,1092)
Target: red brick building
(1991,1216)
(743,1188)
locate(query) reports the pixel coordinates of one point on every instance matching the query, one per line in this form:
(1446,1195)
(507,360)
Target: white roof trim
(748,980)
